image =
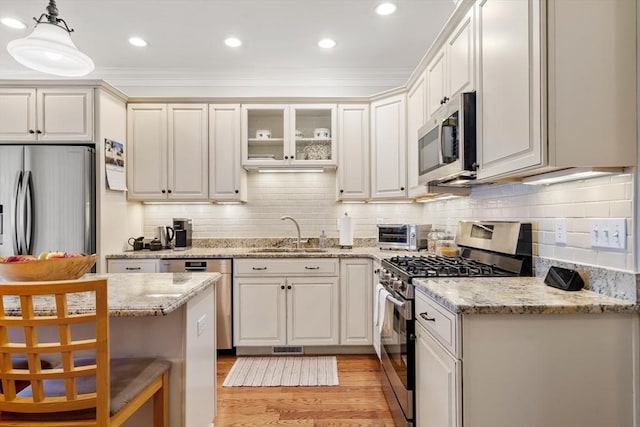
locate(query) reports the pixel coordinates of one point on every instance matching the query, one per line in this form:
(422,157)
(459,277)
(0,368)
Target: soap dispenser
(322,242)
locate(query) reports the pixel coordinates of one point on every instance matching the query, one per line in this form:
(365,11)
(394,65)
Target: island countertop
(515,295)
(132,294)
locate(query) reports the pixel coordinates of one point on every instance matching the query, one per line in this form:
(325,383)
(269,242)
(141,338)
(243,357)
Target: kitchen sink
(288,250)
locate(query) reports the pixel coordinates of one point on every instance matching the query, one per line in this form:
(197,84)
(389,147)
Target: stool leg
(161,403)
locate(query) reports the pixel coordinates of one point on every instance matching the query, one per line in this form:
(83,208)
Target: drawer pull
(426,317)
(133,268)
(311,268)
(259,268)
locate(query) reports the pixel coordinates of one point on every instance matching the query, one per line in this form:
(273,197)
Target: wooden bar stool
(87,388)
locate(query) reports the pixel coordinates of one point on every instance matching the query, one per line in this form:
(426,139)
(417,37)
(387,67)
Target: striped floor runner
(275,371)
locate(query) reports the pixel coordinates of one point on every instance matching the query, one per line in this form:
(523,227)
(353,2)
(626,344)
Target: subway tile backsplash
(311,199)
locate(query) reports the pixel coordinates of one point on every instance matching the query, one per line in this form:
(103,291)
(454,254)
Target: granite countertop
(132,294)
(515,295)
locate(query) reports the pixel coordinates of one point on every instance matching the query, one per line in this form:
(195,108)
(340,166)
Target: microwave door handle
(442,141)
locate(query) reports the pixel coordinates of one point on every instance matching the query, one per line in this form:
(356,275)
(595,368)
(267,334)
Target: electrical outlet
(561,231)
(201,324)
(608,233)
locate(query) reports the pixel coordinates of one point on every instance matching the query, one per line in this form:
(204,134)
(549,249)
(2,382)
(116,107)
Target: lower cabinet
(285,302)
(133,266)
(356,326)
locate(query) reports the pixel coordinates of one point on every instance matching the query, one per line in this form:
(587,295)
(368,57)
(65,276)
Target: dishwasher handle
(195,268)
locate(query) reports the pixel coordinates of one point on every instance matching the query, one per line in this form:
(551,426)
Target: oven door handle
(400,304)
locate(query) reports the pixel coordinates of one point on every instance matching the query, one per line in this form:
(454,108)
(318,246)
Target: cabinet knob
(169,191)
(31,131)
(292,157)
(341,191)
(441,101)
(38,131)
(237,191)
(163,191)
(288,286)
(401,188)
(286,157)
(282,287)
(446,99)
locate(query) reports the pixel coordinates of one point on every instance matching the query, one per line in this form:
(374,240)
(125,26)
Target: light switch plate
(202,324)
(608,233)
(561,231)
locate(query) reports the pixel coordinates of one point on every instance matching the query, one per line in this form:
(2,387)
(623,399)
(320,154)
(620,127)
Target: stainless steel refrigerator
(47,199)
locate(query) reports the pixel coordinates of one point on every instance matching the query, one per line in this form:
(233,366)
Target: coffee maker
(182,228)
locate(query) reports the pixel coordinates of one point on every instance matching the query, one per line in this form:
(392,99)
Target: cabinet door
(356,324)
(436,83)
(416,118)
(437,384)
(265,135)
(313,135)
(461,57)
(188,144)
(64,114)
(388,144)
(259,312)
(353,161)
(133,266)
(509,87)
(312,311)
(17,114)
(147,152)
(227,179)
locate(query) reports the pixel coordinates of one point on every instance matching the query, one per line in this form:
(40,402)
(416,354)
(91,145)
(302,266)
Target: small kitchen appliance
(182,230)
(410,237)
(487,249)
(137,243)
(165,234)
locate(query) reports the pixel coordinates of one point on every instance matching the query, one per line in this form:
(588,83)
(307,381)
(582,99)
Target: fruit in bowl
(48,266)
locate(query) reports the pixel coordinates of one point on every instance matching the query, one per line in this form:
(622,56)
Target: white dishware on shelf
(263,134)
(299,134)
(321,133)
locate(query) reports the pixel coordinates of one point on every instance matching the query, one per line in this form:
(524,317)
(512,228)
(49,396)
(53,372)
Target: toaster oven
(410,237)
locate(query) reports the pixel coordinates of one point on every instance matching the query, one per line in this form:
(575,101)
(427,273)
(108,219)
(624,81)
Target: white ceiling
(186,55)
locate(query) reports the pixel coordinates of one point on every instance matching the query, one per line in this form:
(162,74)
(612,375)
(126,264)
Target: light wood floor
(357,401)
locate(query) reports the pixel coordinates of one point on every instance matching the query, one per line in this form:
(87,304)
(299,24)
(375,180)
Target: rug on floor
(273,371)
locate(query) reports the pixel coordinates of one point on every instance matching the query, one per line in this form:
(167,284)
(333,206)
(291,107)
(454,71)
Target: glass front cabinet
(278,135)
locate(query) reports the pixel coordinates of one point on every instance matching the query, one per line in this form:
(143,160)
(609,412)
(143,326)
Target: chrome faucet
(297,227)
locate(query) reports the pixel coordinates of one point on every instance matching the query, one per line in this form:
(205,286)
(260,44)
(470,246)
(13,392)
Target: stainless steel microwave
(410,237)
(447,147)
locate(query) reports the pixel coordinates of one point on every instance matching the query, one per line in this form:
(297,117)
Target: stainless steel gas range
(488,249)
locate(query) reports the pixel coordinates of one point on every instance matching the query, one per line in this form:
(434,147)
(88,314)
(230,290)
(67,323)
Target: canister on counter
(432,238)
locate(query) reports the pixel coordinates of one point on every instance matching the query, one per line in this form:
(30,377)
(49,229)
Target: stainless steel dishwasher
(223,291)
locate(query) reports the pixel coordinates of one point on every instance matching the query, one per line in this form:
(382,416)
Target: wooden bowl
(47,269)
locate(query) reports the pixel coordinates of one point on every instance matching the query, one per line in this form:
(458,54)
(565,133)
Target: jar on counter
(432,238)
(446,246)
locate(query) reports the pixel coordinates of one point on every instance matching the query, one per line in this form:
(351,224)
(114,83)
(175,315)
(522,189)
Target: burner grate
(409,267)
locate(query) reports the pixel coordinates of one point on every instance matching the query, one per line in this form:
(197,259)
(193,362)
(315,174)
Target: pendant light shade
(49,48)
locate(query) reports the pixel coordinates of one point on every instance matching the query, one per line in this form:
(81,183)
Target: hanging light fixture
(49,48)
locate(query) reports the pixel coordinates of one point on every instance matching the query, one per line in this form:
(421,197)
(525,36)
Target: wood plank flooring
(357,402)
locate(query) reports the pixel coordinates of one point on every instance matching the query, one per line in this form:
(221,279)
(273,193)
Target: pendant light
(49,48)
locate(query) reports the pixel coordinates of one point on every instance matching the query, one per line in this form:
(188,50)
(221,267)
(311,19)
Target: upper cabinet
(353,160)
(451,70)
(388,147)
(416,117)
(167,152)
(557,95)
(227,178)
(46,114)
(277,135)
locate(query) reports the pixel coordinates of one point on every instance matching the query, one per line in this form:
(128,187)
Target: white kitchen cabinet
(556,96)
(437,383)
(356,298)
(227,178)
(353,160)
(474,369)
(46,114)
(451,70)
(133,266)
(280,302)
(167,152)
(388,147)
(416,118)
(282,135)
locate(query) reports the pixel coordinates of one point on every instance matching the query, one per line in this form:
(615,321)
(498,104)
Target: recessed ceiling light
(233,42)
(137,41)
(13,23)
(327,43)
(385,8)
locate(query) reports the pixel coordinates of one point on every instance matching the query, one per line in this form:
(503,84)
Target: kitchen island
(165,315)
(512,351)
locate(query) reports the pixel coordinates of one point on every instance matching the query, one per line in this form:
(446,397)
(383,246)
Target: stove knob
(398,284)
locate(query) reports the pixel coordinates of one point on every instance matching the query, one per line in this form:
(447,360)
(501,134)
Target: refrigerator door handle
(28,212)
(16,219)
